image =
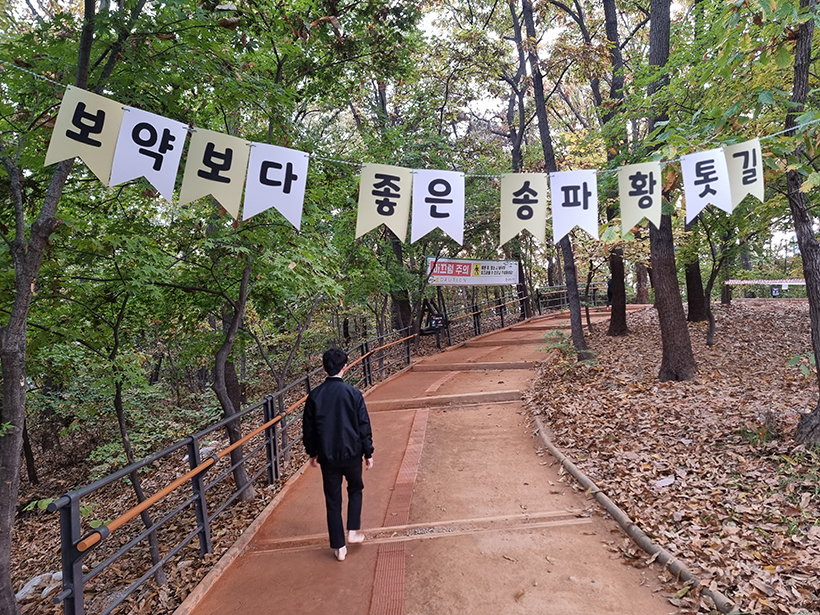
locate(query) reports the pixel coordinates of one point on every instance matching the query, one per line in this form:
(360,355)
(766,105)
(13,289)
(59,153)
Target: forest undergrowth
(707,467)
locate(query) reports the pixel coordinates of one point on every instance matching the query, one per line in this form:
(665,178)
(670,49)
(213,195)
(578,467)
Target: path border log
(664,557)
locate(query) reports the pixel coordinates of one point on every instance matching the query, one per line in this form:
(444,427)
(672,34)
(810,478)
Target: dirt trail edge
(463,512)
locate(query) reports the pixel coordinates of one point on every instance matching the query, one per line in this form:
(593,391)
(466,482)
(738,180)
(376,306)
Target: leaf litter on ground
(707,467)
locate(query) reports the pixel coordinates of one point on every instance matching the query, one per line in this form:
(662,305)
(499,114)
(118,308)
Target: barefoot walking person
(336,433)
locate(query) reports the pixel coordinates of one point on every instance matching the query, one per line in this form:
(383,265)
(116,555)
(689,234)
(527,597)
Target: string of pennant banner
(122,143)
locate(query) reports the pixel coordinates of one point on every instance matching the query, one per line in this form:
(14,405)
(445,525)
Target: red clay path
(462,512)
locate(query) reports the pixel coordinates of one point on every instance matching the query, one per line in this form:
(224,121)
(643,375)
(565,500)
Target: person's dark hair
(334,360)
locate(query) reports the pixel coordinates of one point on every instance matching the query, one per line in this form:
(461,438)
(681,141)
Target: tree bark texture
(695,298)
(808,429)
(220,386)
(678,362)
(574,298)
(617,315)
(27,257)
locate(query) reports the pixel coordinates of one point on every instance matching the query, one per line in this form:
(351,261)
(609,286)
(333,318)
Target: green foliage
(806,362)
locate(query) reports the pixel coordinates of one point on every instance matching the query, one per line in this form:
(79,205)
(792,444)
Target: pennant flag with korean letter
(523,205)
(277,177)
(745,166)
(705,181)
(87,126)
(384,197)
(574,196)
(639,188)
(216,166)
(149,146)
(438,201)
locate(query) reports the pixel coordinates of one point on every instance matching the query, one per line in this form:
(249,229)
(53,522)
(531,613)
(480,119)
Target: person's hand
(314,462)
(368,463)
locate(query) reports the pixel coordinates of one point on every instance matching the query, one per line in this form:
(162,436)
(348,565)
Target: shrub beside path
(463,512)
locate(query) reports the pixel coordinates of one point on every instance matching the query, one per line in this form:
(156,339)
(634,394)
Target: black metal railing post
(367,366)
(476,320)
(70,534)
(407,347)
(201,503)
(270,440)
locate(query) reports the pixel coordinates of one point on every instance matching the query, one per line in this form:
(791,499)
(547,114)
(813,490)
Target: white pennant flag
(705,181)
(277,177)
(745,165)
(438,201)
(639,189)
(574,196)
(149,146)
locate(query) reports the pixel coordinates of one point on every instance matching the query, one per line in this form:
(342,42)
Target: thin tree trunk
(28,453)
(570,276)
(808,428)
(153,544)
(617,315)
(220,387)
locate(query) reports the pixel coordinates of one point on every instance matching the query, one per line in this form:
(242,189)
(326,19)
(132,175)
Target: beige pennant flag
(384,197)
(523,205)
(216,165)
(87,126)
(639,188)
(745,165)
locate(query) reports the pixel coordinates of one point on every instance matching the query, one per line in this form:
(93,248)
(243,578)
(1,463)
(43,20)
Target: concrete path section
(462,512)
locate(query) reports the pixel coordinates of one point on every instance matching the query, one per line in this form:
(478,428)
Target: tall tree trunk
(678,362)
(617,273)
(617,317)
(808,429)
(573,296)
(27,257)
(220,385)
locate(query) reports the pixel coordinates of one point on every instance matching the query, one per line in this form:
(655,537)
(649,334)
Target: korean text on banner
(216,165)
(438,201)
(639,188)
(523,205)
(277,177)
(745,165)
(574,196)
(87,126)
(149,146)
(705,181)
(457,272)
(384,197)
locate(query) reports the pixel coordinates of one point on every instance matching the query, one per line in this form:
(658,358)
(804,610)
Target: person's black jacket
(336,426)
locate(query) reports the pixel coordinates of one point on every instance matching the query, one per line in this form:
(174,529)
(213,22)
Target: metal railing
(188,504)
(553,298)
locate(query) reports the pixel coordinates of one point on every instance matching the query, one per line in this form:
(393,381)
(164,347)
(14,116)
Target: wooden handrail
(258,430)
(92,539)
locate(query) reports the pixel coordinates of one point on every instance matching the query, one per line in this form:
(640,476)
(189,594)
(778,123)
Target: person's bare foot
(340,553)
(355,536)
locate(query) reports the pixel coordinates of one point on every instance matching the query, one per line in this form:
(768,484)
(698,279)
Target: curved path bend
(462,512)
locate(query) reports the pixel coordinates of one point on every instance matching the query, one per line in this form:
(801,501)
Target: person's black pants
(332,484)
